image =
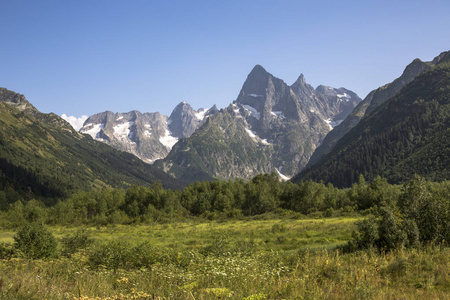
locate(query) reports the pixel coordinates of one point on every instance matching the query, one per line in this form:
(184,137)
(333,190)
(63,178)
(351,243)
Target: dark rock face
(149,136)
(270,127)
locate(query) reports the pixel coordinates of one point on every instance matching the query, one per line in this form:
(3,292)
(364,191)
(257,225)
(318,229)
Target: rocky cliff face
(270,127)
(149,136)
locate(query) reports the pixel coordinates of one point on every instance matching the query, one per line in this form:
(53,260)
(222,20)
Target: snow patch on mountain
(254,113)
(256,138)
(93,130)
(123,130)
(168,140)
(278,114)
(255,95)
(252,134)
(333,124)
(346,96)
(283,177)
(200,115)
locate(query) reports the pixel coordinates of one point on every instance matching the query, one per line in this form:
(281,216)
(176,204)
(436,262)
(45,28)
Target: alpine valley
(324,134)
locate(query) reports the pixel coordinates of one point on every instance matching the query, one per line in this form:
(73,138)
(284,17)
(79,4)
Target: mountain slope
(270,127)
(41,155)
(407,134)
(373,100)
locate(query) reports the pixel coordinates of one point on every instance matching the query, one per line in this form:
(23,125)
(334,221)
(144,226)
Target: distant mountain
(371,102)
(42,156)
(406,134)
(149,136)
(270,127)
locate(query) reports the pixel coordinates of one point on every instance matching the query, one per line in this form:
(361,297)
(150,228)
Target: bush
(391,236)
(412,232)
(35,241)
(367,233)
(81,239)
(111,255)
(7,251)
(328,213)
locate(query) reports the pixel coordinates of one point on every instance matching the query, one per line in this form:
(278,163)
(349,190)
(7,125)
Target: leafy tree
(35,241)
(390,234)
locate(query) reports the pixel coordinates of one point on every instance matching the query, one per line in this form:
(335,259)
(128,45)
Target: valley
(201,204)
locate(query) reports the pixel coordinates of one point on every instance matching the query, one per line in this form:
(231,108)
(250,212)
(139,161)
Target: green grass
(267,235)
(289,259)
(7,236)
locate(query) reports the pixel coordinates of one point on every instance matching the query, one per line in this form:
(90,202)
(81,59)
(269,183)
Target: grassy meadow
(251,258)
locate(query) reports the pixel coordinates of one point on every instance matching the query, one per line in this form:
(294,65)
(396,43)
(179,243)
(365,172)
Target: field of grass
(235,259)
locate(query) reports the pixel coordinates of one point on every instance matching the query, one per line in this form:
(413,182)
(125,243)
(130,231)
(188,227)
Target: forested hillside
(42,156)
(408,134)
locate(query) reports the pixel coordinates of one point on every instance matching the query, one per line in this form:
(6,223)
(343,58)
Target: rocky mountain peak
(17,100)
(443,57)
(184,120)
(258,71)
(300,80)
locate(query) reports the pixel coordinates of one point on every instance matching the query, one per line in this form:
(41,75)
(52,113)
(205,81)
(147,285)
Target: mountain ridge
(371,101)
(404,135)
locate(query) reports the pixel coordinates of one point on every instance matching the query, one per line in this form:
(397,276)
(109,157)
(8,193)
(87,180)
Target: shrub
(35,241)
(111,255)
(328,213)
(367,233)
(412,232)
(7,251)
(81,239)
(390,235)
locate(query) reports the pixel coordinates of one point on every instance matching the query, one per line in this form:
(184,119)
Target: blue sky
(84,57)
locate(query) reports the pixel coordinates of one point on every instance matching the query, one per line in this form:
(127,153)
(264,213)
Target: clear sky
(87,56)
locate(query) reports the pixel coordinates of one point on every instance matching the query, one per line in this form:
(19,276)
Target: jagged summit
(300,80)
(258,69)
(184,120)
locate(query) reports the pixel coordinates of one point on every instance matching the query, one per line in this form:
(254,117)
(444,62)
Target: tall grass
(230,260)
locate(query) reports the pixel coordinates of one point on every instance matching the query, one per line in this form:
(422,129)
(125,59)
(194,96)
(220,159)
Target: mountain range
(270,127)
(149,136)
(323,134)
